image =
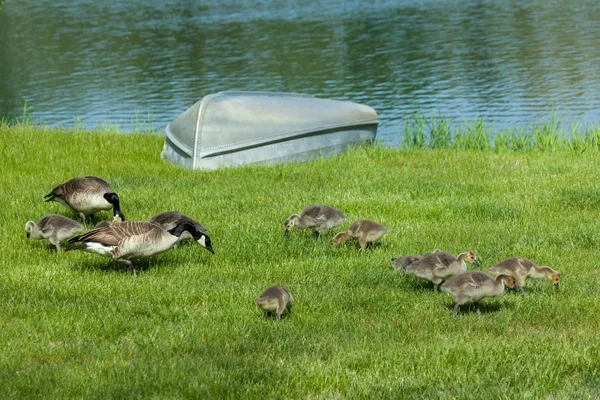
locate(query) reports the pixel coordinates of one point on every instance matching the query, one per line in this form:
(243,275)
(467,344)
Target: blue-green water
(510,62)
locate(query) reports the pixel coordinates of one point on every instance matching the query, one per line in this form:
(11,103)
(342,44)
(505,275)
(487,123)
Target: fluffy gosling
(438,266)
(522,269)
(318,217)
(400,263)
(275,299)
(364,230)
(472,287)
(86,196)
(56,228)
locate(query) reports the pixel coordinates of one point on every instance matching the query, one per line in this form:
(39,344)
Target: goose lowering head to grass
(170,219)
(275,299)
(318,217)
(472,287)
(56,228)
(86,196)
(400,263)
(522,269)
(366,231)
(130,240)
(438,266)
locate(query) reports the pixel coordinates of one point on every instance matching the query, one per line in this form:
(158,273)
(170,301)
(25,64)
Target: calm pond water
(510,62)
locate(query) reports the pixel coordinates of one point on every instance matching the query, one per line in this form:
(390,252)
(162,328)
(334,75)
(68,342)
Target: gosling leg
(522,291)
(476,304)
(455,310)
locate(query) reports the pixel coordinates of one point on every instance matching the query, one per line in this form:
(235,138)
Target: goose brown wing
(113,234)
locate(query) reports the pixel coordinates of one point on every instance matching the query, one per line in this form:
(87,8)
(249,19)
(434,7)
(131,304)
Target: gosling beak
(556,285)
(28,235)
(286,232)
(476,263)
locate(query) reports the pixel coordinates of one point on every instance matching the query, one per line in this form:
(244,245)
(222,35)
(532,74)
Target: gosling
(522,269)
(275,299)
(364,230)
(400,263)
(86,196)
(472,287)
(56,228)
(170,219)
(318,217)
(130,240)
(438,266)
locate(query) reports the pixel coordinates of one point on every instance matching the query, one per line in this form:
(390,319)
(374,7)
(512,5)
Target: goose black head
(204,241)
(113,199)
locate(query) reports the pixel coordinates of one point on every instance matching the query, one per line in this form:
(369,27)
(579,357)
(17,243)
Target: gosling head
(290,222)
(472,258)
(204,241)
(29,227)
(555,278)
(511,281)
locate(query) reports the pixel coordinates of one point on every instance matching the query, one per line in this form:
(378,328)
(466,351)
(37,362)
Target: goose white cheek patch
(202,241)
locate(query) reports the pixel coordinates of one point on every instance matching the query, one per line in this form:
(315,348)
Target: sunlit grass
(74,325)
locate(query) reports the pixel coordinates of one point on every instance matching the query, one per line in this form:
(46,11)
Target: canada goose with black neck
(86,196)
(129,240)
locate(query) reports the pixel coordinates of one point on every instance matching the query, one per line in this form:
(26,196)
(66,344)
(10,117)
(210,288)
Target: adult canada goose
(56,228)
(275,299)
(170,219)
(86,196)
(438,266)
(319,217)
(474,286)
(522,269)
(400,263)
(130,240)
(364,230)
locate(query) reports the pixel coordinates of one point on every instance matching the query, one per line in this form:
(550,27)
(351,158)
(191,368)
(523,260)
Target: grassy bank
(73,325)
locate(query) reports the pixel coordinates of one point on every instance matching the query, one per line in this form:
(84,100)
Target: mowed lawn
(76,325)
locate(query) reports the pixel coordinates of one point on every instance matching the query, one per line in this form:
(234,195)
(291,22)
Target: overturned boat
(229,129)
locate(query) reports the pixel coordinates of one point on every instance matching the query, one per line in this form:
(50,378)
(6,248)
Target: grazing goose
(170,219)
(275,299)
(522,269)
(129,240)
(86,196)
(438,266)
(400,263)
(318,217)
(364,230)
(475,285)
(56,228)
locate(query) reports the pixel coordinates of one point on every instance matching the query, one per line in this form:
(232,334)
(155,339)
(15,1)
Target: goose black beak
(209,248)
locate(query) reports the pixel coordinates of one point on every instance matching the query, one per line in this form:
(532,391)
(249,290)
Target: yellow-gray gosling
(56,228)
(438,266)
(130,240)
(86,196)
(366,231)
(522,269)
(400,263)
(170,219)
(318,217)
(472,287)
(275,299)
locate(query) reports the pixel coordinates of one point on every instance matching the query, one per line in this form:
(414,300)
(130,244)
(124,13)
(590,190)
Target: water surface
(88,63)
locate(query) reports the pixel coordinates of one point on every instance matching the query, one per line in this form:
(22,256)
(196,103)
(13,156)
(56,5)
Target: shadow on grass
(108,265)
(484,307)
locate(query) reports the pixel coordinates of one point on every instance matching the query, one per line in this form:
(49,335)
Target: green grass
(432,132)
(74,325)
